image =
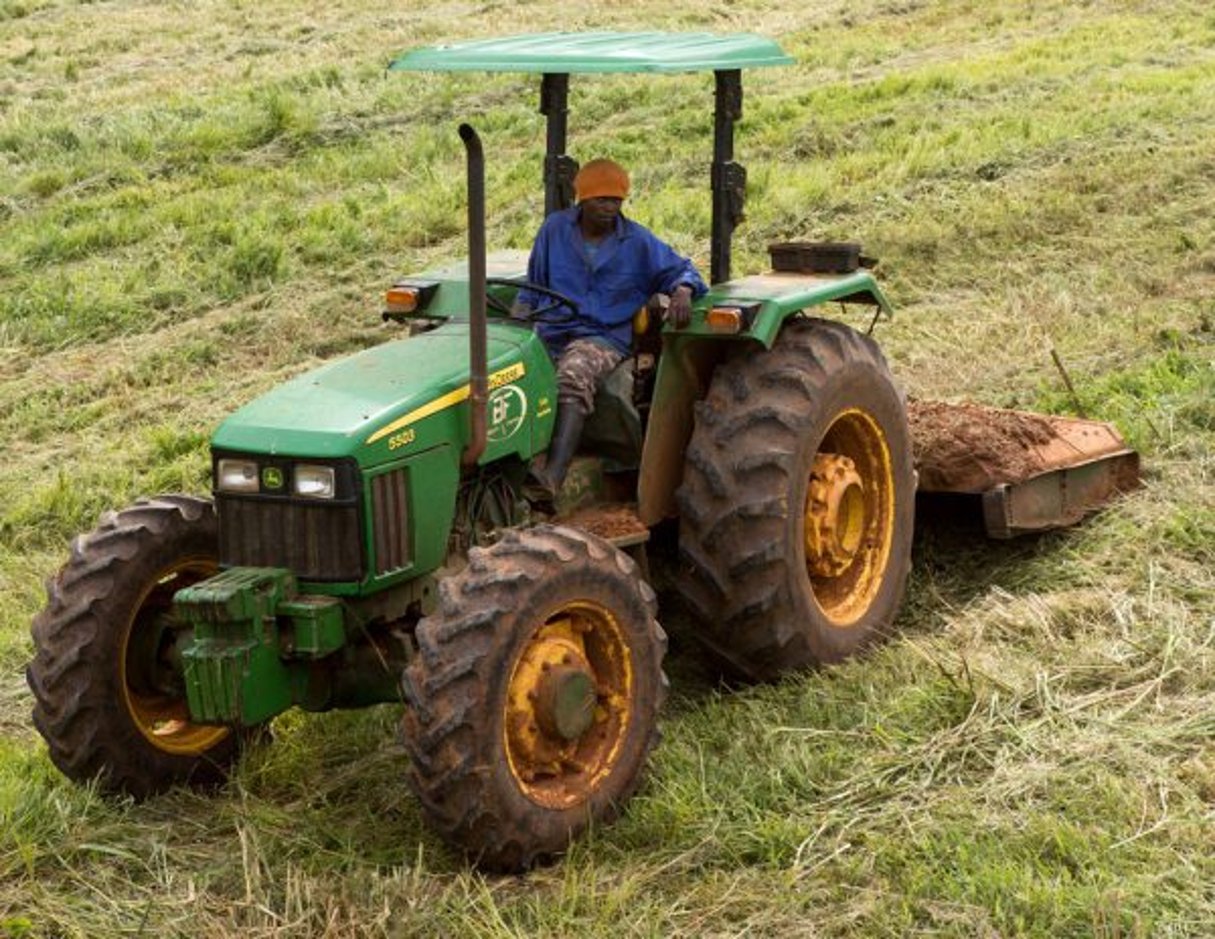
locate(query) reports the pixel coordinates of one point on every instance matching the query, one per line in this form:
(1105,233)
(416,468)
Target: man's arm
(677,277)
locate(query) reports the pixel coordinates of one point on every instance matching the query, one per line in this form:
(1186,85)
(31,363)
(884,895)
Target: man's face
(601,212)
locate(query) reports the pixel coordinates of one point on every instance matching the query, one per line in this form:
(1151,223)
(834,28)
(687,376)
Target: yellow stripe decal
(433,407)
(496,380)
(506,376)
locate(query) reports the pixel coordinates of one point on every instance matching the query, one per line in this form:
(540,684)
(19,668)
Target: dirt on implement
(971,448)
(1033,471)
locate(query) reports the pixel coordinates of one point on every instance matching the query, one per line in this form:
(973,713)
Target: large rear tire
(797,502)
(107,693)
(533,701)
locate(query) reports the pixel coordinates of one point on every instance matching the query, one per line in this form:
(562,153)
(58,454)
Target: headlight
(236,476)
(314,482)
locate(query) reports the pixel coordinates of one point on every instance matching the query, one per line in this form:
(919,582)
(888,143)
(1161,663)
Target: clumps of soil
(609,522)
(971,448)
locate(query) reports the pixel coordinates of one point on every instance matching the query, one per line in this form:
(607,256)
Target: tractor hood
(351,407)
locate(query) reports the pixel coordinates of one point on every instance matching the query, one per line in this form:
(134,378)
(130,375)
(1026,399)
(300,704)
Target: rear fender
(858,288)
(691,355)
(770,299)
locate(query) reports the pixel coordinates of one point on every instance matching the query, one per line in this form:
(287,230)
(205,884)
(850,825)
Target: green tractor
(368,540)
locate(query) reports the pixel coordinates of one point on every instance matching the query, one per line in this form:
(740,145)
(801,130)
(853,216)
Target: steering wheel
(555,299)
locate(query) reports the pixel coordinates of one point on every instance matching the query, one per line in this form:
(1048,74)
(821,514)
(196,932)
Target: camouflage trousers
(581,368)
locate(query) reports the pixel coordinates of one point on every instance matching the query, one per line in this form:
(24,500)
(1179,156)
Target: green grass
(200,200)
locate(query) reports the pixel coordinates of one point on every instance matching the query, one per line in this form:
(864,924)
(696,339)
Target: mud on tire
(797,502)
(533,701)
(105,697)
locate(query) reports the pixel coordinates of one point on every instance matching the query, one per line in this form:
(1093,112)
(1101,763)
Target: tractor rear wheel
(107,690)
(797,502)
(533,700)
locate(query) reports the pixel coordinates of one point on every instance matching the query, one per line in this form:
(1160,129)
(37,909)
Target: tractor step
(616,523)
(1030,472)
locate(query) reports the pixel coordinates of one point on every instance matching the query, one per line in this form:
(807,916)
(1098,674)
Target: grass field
(200,199)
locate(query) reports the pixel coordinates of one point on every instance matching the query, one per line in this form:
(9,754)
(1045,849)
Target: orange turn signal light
(401,299)
(724,319)
(407,298)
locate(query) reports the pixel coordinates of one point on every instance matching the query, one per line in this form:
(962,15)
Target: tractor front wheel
(797,502)
(106,678)
(533,701)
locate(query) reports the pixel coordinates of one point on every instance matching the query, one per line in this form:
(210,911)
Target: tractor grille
(390,521)
(315,541)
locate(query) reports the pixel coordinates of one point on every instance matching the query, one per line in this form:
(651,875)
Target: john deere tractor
(368,541)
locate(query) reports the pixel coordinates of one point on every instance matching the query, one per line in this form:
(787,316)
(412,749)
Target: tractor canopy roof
(598,52)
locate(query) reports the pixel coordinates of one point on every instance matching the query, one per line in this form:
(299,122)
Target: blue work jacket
(629,266)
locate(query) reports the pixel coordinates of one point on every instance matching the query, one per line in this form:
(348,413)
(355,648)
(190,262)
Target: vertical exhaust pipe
(477,332)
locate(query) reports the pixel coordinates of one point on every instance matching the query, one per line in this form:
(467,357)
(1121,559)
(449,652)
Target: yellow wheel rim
(848,520)
(568,705)
(163,719)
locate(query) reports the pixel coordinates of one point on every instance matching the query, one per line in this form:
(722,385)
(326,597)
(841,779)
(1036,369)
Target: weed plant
(199,200)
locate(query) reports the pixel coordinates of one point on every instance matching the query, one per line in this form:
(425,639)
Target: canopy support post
(559,169)
(729,179)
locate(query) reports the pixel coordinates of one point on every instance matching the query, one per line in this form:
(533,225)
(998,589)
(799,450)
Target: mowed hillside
(199,200)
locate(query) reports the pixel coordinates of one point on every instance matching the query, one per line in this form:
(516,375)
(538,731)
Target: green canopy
(598,52)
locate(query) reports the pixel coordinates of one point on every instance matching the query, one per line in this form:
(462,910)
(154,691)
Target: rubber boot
(543,485)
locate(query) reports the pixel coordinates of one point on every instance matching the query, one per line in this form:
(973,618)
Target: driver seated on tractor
(610,266)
